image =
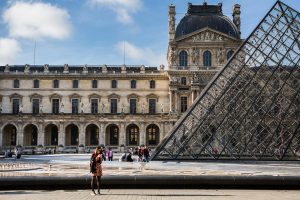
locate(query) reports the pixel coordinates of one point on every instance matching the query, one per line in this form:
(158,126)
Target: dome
(206,16)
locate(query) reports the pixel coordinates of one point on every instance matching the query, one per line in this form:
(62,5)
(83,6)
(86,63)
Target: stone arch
(132,134)
(72,135)
(112,135)
(30,135)
(9,135)
(92,134)
(152,134)
(51,134)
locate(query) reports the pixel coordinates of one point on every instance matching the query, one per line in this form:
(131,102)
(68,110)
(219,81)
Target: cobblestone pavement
(78,165)
(152,194)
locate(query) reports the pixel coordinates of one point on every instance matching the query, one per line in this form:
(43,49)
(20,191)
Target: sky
(95,32)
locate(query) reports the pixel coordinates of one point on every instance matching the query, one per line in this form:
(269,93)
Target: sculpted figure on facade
(162,108)
(46,68)
(103,108)
(6,68)
(21,108)
(82,108)
(26,68)
(220,55)
(195,55)
(172,23)
(62,109)
(172,56)
(143,108)
(41,108)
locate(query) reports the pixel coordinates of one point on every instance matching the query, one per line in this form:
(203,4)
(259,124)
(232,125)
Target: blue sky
(95,31)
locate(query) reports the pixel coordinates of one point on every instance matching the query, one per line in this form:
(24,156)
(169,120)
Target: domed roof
(202,16)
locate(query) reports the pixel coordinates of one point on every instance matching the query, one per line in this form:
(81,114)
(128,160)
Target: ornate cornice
(15,96)
(113,96)
(133,96)
(35,96)
(94,96)
(75,96)
(55,96)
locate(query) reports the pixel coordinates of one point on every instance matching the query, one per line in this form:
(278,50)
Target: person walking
(96,169)
(110,154)
(146,154)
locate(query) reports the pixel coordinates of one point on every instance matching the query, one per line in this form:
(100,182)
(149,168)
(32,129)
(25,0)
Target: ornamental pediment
(113,96)
(133,96)
(15,96)
(94,96)
(55,96)
(35,96)
(75,96)
(152,96)
(206,35)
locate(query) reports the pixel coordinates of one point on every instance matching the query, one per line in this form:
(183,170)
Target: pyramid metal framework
(251,108)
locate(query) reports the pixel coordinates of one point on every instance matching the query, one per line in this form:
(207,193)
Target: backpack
(93,164)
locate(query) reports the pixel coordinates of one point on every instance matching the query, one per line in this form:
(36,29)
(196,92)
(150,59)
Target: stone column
(61,134)
(20,135)
(122,139)
(171,101)
(81,134)
(41,135)
(142,134)
(102,134)
(162,131)
(176,102)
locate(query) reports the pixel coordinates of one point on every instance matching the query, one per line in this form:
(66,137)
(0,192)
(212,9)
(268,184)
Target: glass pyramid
(251,108)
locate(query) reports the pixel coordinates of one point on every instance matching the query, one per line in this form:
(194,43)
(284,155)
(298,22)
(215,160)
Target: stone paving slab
(151,194)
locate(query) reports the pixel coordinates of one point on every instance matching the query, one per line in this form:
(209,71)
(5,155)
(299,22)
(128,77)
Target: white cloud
(36,21)
(139,55)
(122,8)
(9,50)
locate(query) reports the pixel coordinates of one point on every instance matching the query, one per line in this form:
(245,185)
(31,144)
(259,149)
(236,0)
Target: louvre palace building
(53,106)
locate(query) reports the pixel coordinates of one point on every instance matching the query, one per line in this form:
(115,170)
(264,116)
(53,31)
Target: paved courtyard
(150,194)
(78,165)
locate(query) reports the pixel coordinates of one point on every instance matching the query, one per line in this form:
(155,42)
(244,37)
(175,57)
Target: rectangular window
(36,84)
(16,106)
(75,83)
(16,83)
(152,106)
(55,83)
(55,106)
(94,106)
(75,105)
(114,84)
(183,104)
(114,106)
(94,84)
(152,84)
(132,106)
(35,106)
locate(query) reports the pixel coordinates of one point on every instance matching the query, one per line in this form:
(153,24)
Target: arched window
(183,80)
(183,59)
(133,134)
(152,84)
(113,84)
(207,58)
(229,54)
(152,134)
(133,84)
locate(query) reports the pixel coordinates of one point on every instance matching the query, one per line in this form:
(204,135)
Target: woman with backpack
(96,169)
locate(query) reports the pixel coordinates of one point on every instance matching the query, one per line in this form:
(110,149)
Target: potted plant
(122,148)
(60,148)
(81,148)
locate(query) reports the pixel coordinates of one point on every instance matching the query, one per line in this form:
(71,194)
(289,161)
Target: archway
(132,135)
(72,134)
(91,135)
(30,135)
(152,135)
(51,135)
(112,135)
(9,135)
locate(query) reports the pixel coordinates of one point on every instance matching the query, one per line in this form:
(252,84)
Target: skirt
(98,170)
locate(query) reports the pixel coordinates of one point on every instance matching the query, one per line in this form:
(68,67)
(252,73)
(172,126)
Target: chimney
(172,14)
(236,12)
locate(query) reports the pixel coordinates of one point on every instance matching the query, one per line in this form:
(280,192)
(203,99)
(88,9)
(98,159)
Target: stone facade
(116,106)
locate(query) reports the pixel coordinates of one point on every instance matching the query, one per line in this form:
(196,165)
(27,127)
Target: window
(16,83)
(152,134)
(183,104)
(113,135)
(183,80)
(35,106)
(75,105)
(94,84)
(94,106)
(152,106)
(183,59)
(133,84)
(36,84)
(152,84)
(132,106)
(229,54)
(54,135)
(207,59)
(55,106)
(55,83)
(16,106)
(133,134)
(114,106)
(75,83)
(114,84)
(34,136)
